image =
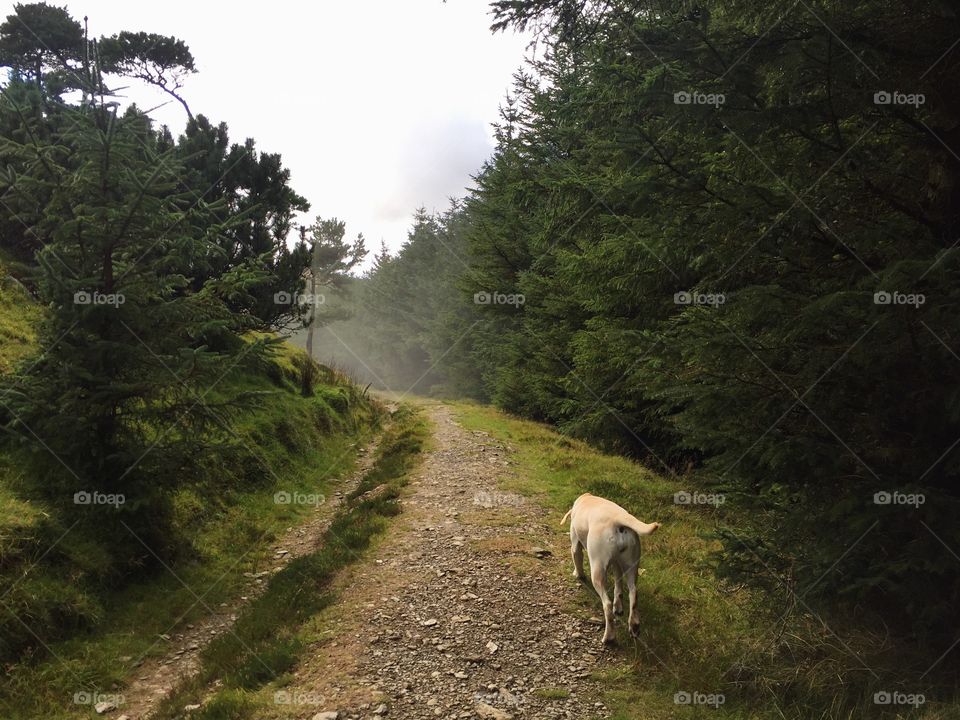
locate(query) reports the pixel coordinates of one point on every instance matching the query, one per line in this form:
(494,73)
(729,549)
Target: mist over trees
(722,235)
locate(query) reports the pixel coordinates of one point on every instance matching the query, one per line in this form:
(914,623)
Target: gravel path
(461,612)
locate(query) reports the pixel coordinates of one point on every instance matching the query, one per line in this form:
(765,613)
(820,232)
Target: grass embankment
(19,316)
(768,657)
(250,663)
(62,631)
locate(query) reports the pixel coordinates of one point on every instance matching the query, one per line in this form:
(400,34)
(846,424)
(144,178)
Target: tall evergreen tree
(117,405)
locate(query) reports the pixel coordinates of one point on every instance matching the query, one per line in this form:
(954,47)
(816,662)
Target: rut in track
(153,678)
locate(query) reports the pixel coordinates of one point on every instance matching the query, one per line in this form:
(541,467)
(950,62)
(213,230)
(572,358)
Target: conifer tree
(118,405)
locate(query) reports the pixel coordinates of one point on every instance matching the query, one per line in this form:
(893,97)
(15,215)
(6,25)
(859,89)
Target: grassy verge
(764,656)
(270,636)
(19,317)
(86,638)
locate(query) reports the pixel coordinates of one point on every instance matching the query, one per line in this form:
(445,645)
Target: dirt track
(461,612)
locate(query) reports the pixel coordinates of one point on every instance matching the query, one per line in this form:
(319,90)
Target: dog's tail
(564,521)
(640,528)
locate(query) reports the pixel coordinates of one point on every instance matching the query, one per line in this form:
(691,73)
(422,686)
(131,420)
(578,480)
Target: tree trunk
(314,271)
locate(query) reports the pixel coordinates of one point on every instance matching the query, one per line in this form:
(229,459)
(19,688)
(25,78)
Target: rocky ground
(461,612)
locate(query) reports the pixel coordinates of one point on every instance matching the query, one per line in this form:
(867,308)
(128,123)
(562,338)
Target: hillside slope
(65,629)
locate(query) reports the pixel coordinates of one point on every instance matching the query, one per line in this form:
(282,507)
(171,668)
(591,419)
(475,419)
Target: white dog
(612,538)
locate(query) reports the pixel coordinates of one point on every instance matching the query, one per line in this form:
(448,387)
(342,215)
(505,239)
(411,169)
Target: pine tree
(117,405)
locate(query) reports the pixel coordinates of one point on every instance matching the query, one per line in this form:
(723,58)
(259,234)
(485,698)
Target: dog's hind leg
(597,574)
(634,616)
(576,550)
(617,590)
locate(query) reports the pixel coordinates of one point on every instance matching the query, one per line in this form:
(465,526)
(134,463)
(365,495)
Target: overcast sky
(377,106)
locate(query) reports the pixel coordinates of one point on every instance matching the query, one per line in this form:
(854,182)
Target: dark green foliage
(158,60)
(777,163)
(116,404)
(253,189)
(152,261)
(37,38)
(797,198)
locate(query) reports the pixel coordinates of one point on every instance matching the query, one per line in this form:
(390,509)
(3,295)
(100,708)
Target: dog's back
(599,514)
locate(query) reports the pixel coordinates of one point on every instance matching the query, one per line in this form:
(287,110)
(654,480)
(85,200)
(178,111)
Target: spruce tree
(118,404)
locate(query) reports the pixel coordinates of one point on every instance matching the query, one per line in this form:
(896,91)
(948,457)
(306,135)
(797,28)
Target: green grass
(271,634)
(700,634)
(224,517)
(63,630)
(19,317)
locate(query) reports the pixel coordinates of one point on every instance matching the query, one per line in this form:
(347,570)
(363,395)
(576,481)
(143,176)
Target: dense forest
(720,237)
